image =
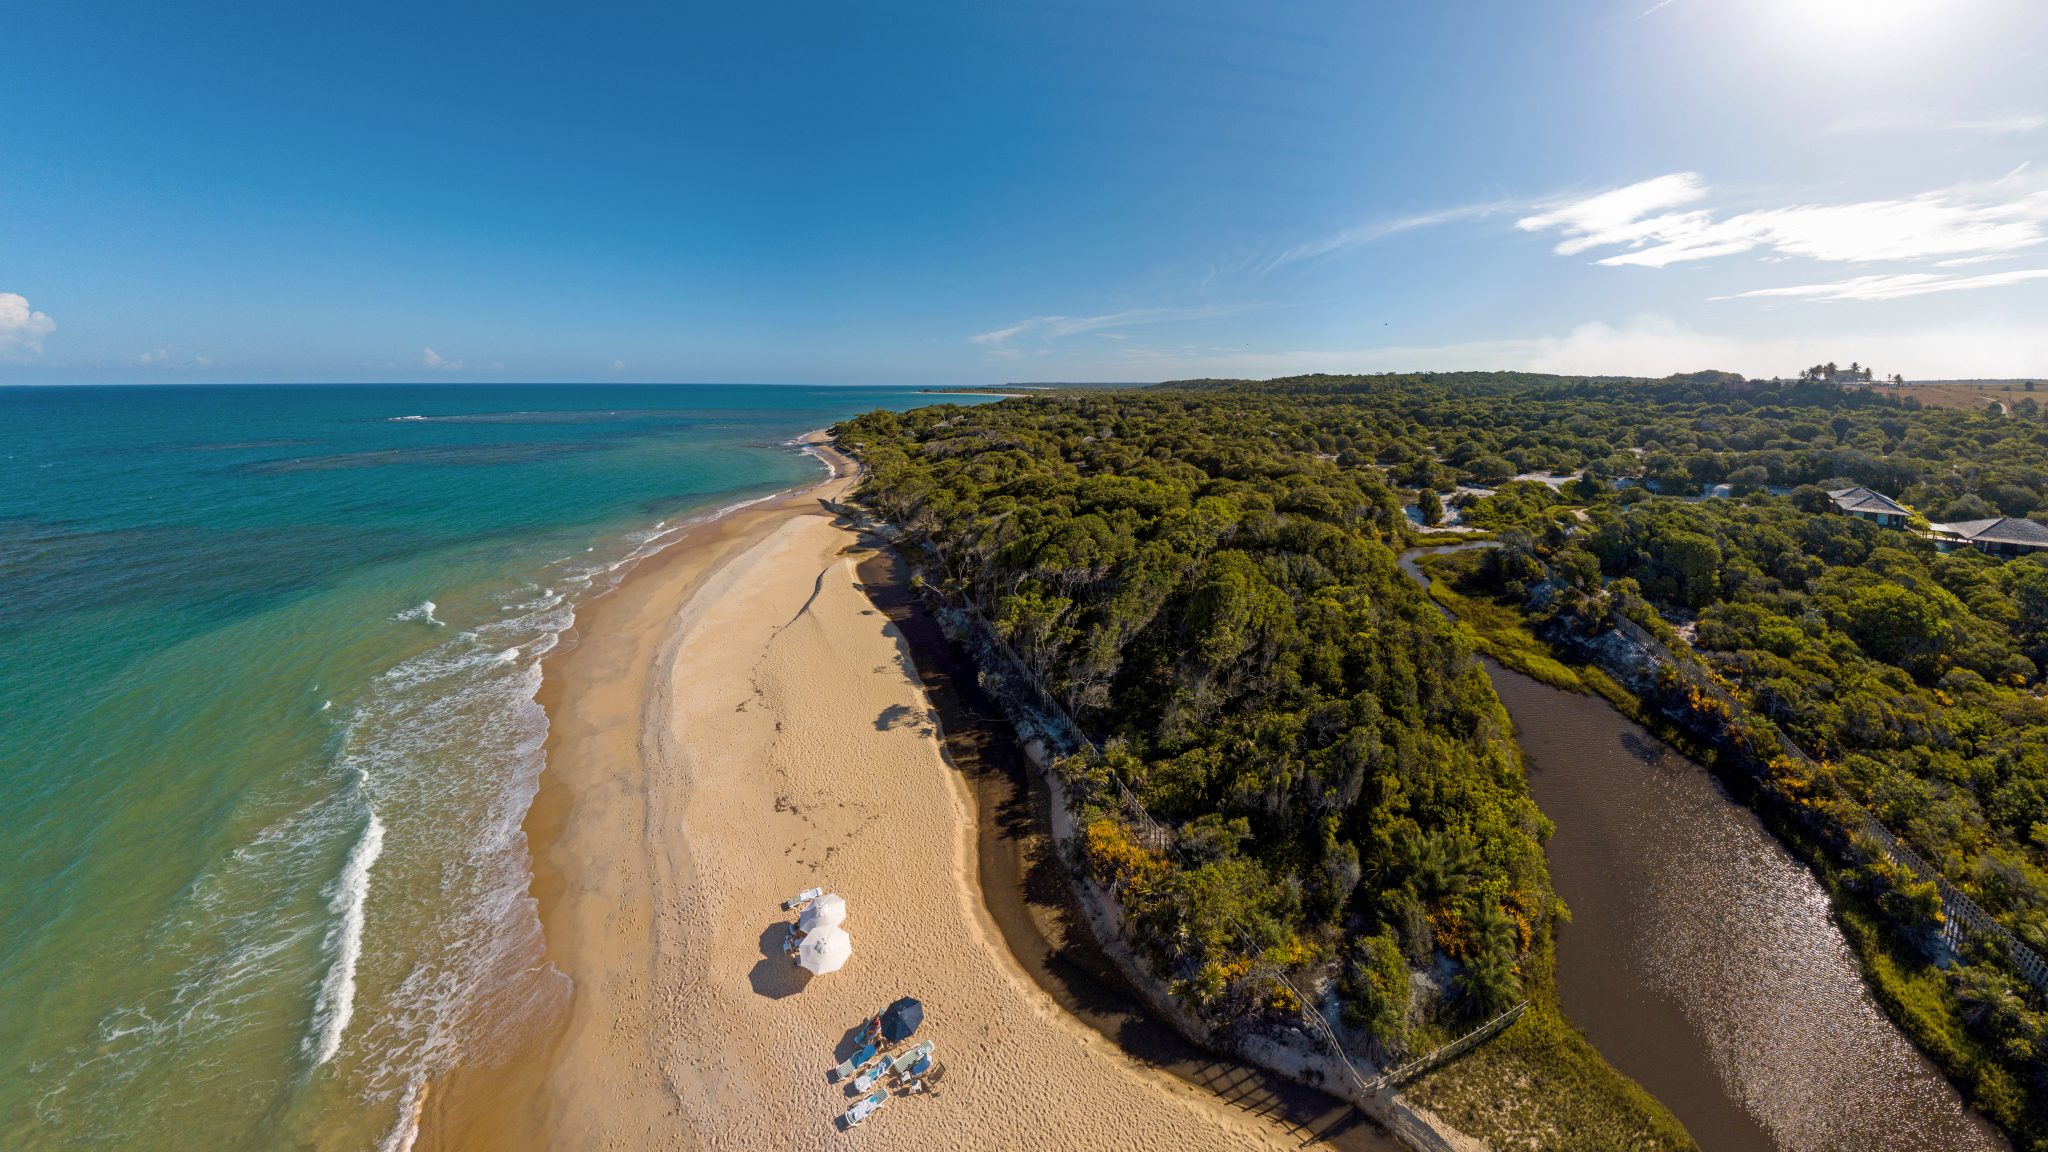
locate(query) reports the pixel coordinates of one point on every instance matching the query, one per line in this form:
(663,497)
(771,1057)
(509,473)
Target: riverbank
(1701,959)
(736,723)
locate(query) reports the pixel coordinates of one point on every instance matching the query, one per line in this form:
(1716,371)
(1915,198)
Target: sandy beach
(737,723)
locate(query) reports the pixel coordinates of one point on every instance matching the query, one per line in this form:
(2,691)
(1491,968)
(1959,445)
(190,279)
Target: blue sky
(976,193)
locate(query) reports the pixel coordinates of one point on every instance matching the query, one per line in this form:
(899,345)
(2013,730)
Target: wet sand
(738,722)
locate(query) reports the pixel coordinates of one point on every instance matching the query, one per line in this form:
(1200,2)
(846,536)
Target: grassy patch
(1497,628)
(1540,1086)
(1920,1000)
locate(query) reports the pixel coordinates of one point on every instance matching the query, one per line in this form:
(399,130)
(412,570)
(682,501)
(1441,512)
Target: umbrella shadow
(851,1042)
(776,976)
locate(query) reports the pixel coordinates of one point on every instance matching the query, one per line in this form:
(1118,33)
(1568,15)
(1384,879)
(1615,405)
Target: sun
(1861,19)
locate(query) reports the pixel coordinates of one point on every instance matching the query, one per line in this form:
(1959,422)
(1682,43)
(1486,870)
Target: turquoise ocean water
(267,729)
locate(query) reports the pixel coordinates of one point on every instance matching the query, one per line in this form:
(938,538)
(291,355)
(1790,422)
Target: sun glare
(1860,18)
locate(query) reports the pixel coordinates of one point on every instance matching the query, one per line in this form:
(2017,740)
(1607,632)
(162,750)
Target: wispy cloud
(1381,229)
(1001,340)
(1897,287)
(2003,217)
(432,359)
(1628,215)
(1890,123)
(1659,6)
(22,328)
(166,358)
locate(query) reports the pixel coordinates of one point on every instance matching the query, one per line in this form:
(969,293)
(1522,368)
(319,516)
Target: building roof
(1864,500)
(1998,530)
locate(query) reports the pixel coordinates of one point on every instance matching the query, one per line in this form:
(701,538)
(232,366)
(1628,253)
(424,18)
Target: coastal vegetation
(1224,617)
(1294,778)
(1912,676)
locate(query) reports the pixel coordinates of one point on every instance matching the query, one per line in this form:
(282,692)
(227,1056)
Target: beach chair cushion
(867,1079)
(853,1063)
(866,1107)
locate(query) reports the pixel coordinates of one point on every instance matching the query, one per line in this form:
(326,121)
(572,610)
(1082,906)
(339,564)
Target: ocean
(268,731)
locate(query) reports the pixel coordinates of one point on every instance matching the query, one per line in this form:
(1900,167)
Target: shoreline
(658,781)
(502,1103)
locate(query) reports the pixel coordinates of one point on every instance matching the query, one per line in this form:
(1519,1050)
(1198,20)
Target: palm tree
(1444,863)
(1488,982)
(1987,996)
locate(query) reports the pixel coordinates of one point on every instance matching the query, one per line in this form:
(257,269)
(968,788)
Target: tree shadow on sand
(777,976)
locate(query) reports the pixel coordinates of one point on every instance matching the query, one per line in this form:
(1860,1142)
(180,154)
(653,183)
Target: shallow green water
(267,728)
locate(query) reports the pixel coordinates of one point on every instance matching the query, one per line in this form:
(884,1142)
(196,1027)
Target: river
(1702,959)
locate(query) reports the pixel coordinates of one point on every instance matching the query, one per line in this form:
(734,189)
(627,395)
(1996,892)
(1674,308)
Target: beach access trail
(736,724)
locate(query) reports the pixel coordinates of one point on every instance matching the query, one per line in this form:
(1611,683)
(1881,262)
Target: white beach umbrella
(825,912)
(825,950)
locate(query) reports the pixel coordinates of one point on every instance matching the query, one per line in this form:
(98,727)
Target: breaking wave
(337,1002)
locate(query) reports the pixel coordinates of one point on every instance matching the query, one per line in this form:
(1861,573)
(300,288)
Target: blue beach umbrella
(901,1019)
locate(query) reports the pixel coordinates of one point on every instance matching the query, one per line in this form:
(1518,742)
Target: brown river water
(1702,959)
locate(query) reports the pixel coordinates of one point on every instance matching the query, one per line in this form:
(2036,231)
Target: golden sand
(738,723)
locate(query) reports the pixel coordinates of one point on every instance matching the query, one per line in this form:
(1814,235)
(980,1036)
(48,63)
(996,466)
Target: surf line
(337,999)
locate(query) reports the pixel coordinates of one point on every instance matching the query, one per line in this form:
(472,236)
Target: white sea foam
(407,1130)
(424,610)
(337,1002)
(479,980)
(446,748)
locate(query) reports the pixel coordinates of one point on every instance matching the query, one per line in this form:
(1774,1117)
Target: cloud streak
(1889,123)
(1642,221)
(1896,287)
(22,328)
(1043,328)
(1381,229)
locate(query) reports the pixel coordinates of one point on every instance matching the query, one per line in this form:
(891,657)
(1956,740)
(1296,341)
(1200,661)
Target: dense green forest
(1222,613)
(1216,603)
(1202,575)
(1915,676)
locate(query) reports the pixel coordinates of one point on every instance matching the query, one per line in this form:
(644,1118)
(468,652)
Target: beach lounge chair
(855,1062)
(911,1056)
(802,898)
(873,1076)
(865,1108)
